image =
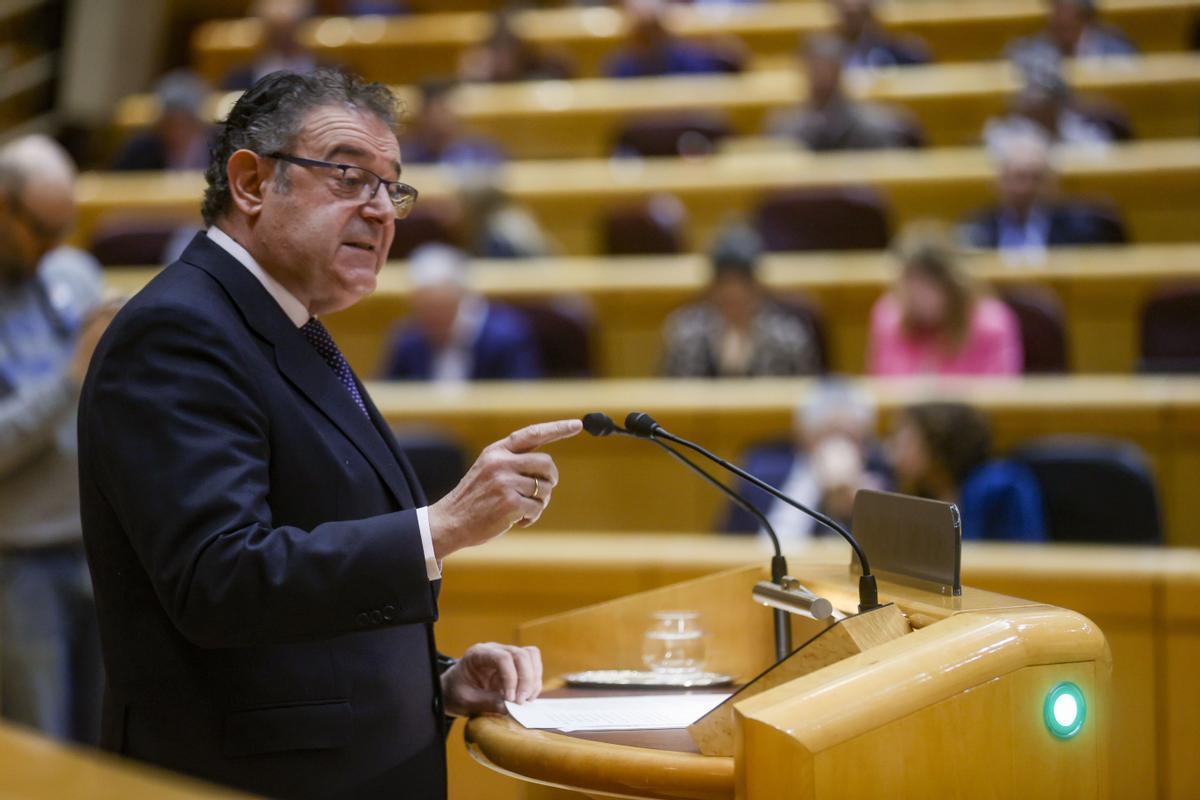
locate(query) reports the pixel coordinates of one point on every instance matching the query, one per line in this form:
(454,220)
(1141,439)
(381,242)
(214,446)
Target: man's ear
(248,174)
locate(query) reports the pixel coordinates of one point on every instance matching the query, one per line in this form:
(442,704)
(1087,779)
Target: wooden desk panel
(580,119)
(1161,94)
(1156,184)
(1102,290)
(618,484)
(525,575)
(411,49)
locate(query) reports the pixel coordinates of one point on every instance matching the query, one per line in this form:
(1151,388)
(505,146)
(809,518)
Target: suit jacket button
(377,616)
(389,613)
(362,620)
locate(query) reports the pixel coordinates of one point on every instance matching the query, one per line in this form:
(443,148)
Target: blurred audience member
(942,451)
(1046,107)
(832,455)
(738,329)
(1073,30)
(867,44)
(437,136)
(50,675)
(498,227)
(455,334)
(651,49)
(936,320)
(181,137)
(1028,218)
(829,119)
(504,56)
(280,46)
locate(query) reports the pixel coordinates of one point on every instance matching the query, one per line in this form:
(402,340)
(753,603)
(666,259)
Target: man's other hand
(490,673)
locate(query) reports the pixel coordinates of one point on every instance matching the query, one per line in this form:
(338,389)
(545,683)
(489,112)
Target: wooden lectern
(963,701)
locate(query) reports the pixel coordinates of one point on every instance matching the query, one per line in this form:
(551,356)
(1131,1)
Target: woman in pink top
(936,321)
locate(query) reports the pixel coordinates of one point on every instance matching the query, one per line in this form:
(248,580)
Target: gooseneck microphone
(600,425)
(643,425)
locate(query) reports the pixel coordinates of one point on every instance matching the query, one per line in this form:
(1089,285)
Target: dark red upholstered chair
(563,330)
(670,135)
(836,218)
(1171,331)
(1043,331)
(133,242)
(428,222)
(653,227)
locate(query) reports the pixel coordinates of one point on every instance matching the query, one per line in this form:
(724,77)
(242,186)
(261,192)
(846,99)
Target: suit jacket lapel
(298,361)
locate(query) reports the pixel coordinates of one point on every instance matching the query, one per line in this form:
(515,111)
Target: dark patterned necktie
(319,338)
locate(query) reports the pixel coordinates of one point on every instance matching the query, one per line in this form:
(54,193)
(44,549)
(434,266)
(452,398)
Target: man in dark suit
(265,564)
(455,334)
(1028,218)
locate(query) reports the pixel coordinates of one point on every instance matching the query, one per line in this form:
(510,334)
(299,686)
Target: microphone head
(639,423)
(599,424)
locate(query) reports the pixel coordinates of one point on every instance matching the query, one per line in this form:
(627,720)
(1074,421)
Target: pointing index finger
(532,437)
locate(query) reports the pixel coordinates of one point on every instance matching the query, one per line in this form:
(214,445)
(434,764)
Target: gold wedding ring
(537,488)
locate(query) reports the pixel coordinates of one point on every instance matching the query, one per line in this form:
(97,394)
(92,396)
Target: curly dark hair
(271,114)
(957,435)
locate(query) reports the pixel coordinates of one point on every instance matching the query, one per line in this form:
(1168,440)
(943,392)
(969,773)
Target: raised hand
(509,484)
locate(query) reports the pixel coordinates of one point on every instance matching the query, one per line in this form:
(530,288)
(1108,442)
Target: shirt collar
(291,306)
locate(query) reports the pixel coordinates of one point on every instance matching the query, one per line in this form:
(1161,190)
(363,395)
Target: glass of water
(674,643)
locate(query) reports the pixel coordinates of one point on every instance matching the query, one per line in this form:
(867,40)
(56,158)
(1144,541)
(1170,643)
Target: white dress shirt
(299,315)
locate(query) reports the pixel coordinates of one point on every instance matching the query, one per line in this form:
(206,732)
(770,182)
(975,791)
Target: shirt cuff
(433,567)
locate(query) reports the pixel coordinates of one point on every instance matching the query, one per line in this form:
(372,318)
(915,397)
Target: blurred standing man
(266,567)
(49,652)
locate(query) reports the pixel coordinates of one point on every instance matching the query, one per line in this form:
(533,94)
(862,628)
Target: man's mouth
(370,248)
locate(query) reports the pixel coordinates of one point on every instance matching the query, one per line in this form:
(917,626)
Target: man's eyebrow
(353,150)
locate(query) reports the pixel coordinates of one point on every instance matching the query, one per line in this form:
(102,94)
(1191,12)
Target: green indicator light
(1065,710)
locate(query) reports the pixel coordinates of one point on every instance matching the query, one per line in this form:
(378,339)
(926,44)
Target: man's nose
(379,205)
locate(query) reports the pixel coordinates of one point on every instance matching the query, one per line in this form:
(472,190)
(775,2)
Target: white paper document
(616,713)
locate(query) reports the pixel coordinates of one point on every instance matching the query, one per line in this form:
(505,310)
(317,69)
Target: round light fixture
(1065,710)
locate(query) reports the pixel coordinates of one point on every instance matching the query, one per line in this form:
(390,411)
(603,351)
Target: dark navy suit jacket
(504,350)
(1068,224)
(261,586)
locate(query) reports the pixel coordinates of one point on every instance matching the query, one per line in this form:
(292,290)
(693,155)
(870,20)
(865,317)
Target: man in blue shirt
(49,656)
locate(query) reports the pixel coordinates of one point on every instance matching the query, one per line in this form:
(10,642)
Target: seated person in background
(437,135)
(496,226)
(829,119)
(942,451)
(867,44)
(1046,107)
(181,136)
(455,334)
(280,47)
(936,320)
(650,49)
(832,456)
(504,56)
(1027,217)
(738,329)
(1073,31)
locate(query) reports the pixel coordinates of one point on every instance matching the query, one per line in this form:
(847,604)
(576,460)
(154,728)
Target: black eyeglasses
(359,183)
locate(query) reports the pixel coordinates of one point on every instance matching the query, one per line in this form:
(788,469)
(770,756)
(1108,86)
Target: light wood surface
(409,49)
(714,732)
(1146,601)
(617,484)
(950,101)
(581,118)
(1155,184)
(33,767)
(1102,290)
(973,642)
